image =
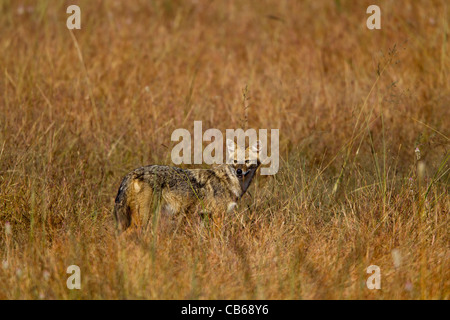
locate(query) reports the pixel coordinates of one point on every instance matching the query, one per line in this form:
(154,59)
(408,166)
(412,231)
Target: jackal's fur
(177,190)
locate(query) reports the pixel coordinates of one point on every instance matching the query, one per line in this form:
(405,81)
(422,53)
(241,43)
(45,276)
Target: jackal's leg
(173,203)
(143,201)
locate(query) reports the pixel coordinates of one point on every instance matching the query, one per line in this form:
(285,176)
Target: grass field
(78,110)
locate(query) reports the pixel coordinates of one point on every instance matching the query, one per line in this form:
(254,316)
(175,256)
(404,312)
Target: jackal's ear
(256,147)
(230,146)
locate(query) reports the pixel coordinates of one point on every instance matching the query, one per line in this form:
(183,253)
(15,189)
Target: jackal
(182,191)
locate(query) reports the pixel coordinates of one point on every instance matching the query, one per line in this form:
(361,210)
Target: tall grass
(80,109)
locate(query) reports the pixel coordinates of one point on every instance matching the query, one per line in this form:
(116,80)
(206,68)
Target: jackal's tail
(122,210)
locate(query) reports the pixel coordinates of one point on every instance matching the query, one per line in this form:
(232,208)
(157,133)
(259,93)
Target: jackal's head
(243,162)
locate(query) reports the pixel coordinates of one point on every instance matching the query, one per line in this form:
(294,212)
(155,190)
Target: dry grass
(351,105)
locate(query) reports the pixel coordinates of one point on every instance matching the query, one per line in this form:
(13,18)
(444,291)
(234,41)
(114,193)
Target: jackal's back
(179,190)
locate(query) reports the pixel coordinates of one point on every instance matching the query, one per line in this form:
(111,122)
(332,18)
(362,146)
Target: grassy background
(78,111)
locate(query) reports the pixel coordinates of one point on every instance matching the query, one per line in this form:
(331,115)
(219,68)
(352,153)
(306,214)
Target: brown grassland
(78,110)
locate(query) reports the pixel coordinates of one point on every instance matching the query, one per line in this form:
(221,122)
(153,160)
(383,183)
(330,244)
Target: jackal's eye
(235,161)
(247,161)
